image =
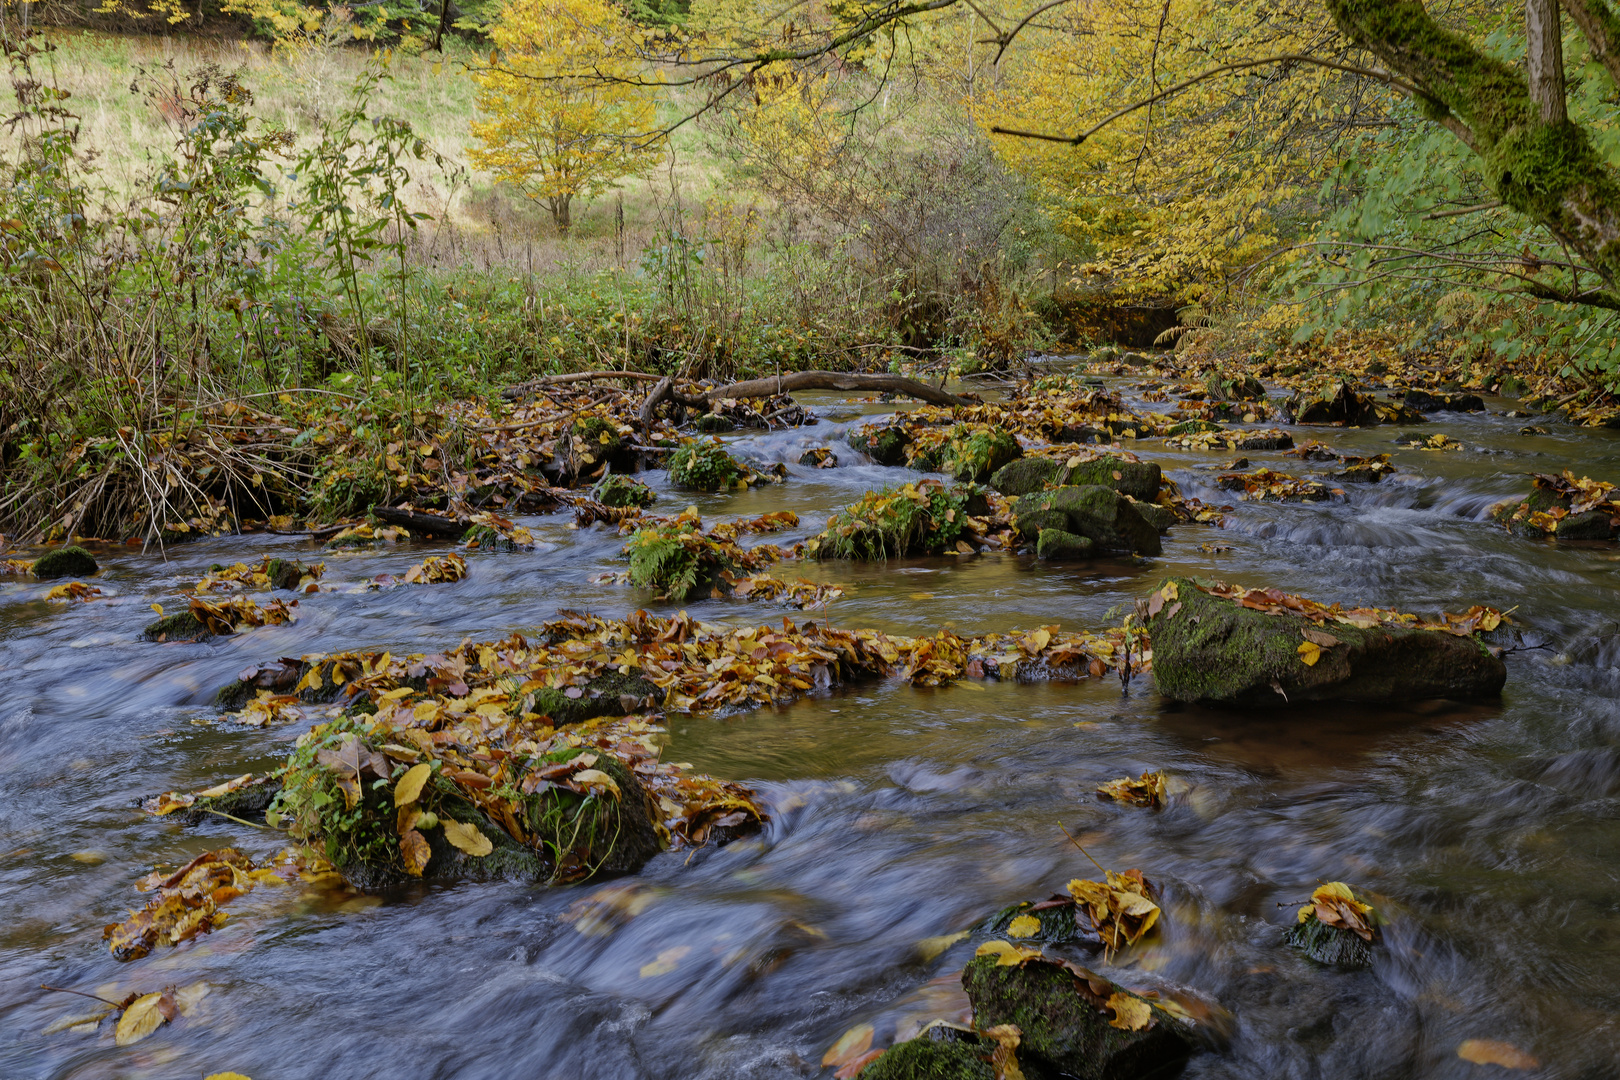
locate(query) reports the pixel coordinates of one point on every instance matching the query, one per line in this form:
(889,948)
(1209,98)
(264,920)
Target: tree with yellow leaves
(565,116)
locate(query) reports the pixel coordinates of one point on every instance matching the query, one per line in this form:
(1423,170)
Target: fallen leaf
(665,962)
(1310,652)
(144,1016)
(226,1076)
(466,838)
(930,948)
(597,778)
(1131,1013)
(415,851)
(1006,953)
(850,1045)
(1004,1059)
(1320,637)
(1024,926)
(409,788)
(1493,1052)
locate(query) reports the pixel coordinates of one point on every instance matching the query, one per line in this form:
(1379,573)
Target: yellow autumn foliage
(564,114)
(1206,181)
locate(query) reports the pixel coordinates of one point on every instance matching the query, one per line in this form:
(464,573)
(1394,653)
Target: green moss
(926,1058)
(973,455)
(604,695)
(71,561)
(181,626)
(704,465)
(620,490)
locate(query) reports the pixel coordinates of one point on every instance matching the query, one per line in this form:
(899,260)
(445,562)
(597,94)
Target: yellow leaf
(409,788)
(158,608)
(929,948)
(415,852)
(143,1017)
(1310,652)
(395,695)
(1024,926)
(665,962)
(1492,1052)
(1006,953)
(226,1076)
(850,1045)
(597,778)
(466,838)
(1131,1013)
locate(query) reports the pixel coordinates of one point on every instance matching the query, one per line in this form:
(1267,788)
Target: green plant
(704,465)
(921,518)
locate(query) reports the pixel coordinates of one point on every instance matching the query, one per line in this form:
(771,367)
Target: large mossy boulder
(70,561)
(1101,514)
(1211,649)
(974,456)
(1138,479)
(1066,1023)
(884,445)
(617,489)
(1058,546)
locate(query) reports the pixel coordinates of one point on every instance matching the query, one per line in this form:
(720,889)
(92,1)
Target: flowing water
(1489,834)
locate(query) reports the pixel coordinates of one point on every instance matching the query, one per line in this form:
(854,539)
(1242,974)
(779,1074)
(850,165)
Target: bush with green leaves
(704,465)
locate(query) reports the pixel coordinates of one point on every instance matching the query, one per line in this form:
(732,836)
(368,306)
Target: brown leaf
(1493,1052)
(415,852)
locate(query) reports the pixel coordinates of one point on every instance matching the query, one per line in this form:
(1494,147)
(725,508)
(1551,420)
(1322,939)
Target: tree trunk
(560,212)
(1545,59)
(1545,169)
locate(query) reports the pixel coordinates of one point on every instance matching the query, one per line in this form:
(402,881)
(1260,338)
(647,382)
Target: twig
(1083,851)
(81,993)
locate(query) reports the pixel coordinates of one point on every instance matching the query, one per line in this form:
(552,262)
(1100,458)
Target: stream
(1489,835)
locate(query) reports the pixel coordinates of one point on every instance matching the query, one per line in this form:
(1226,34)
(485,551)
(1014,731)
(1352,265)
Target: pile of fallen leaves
(238,613)
(366,535)
(269,572)
(680,561)
(187,902)
(1554,499)
(1353,468)
(73,592)
(1265,484)
(1275,601)
(492,532)
(1120,907)
(1148,791)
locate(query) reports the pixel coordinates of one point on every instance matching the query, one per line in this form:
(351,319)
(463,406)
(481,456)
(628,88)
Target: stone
(1191,427)
(1057,545)
(884,445)
(1212,650)
(1266,441)
(1160,517)
(1423,401)
(71,561)
(1241,388)
(1064,1021)
(1339,404)
(1101,514)
(1591,525)
(932,1056)
(1138,479)
(181,626)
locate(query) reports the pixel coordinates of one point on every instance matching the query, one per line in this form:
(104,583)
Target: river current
(1489,835)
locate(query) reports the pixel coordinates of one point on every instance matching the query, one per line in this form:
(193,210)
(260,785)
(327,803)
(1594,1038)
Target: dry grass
(480,224)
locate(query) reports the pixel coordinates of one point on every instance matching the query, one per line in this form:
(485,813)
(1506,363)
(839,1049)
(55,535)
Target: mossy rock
(884,445)
(1058,546)
(70,561)
(1211,650)
(617,489)
(249,802)
(613,693)
(284,573)
(1591,525)
(571,836)
(929,1057)
(1099,513)
(1331,945)
(1065,1029)
(1191,427)
(888,524)
(1160,517)
(714,424)
(1266,441)
(1138,479)
(181,626)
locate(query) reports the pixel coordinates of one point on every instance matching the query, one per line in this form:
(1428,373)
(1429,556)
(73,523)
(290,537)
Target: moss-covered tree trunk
(1536,159)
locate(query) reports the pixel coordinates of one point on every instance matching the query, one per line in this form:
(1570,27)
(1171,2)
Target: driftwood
(512,393)
(419,523)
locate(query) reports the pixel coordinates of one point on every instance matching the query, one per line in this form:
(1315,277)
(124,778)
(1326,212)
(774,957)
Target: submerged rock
(70,561)
(1102,515)
(1214,650)
(1064,1018)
